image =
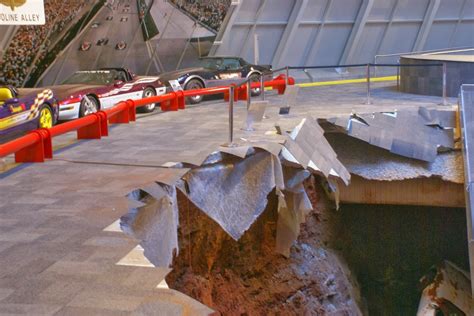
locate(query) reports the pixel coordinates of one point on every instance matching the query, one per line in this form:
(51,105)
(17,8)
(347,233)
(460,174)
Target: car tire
(89,105)
(255,78)
(148,92)
(192,85)
(45,117)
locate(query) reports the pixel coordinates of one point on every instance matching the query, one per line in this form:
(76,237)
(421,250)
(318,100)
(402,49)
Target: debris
(308,147)
(448,292)
(414,134)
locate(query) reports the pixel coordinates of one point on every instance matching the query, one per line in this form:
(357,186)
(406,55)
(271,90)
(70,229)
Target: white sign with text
(22,12)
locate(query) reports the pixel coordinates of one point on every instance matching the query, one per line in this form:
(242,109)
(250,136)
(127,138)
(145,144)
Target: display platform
(429,80)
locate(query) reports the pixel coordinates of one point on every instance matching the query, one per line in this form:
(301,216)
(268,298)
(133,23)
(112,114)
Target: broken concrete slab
(234,194)
(374,163)
(415,134)
(155,224)
(306,145)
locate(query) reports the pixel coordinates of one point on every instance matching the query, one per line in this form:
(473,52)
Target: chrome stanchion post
(368,84)
(231,117)
(398,77)
(262,87)
(445,86)
(249,94)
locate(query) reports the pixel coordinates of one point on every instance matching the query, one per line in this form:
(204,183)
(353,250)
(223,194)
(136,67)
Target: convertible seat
(5,94)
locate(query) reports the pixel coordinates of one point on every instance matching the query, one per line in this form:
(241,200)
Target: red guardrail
(36,146)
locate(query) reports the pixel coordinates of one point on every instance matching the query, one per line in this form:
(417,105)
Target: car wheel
(148,92)
(255,91)
(88,105)
(192,85)
(45,117)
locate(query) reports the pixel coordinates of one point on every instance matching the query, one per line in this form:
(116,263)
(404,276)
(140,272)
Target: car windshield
(92,77)
(210,63)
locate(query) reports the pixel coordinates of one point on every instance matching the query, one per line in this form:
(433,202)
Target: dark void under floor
(390,248)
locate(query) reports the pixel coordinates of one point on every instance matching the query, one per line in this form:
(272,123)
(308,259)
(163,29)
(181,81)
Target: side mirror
(11,101)
(118,83)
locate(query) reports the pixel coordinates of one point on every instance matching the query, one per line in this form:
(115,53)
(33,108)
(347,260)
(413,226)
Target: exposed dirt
(248,278)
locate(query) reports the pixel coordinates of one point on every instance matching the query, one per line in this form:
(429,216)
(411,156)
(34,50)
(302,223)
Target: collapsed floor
(388,249)
(248,278)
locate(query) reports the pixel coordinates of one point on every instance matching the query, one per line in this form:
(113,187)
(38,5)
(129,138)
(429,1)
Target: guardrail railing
(36,146)
(368,67)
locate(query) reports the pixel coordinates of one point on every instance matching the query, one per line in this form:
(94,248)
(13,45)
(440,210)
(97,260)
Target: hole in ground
(391,247)
(248,278)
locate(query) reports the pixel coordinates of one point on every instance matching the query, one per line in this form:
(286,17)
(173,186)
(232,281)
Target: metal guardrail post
(368,84)
(262,87)
(231,117)
(398,78)
(249,94)
(445,86)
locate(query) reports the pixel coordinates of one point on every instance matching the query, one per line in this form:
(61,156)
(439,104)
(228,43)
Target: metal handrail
(36,146)
(357,65)
(454,49)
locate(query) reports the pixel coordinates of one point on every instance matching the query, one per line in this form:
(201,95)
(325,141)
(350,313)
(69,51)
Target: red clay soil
(248,278)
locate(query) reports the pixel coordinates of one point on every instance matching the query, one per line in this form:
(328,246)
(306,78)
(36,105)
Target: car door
(135,89)
(13,120)
(231,71)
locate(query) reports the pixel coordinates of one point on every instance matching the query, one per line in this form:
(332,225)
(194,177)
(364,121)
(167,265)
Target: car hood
(174,75)
(67,90)
(26,92)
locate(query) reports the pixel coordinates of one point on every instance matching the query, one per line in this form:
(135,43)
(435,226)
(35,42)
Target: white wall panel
(344,10)
(440,35)
(347,31)
(381,10)
(464,34)
(468,11)
(315,10)
(400,38)
(232,47)
(367,47)
(449,9)
(282,14)
(248,10)
(299,44)
(269,37)
(333,40)
(411,9)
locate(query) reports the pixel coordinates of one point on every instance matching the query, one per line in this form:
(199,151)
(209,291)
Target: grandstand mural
(147,36)
(28,48)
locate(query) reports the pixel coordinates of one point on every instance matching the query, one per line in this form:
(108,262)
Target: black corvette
(217,71)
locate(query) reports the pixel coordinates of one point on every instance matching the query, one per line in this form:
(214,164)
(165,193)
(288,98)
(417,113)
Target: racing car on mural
(217,71)
(102,42)
(24,110)
(85,46)
(121,45)
(88,91)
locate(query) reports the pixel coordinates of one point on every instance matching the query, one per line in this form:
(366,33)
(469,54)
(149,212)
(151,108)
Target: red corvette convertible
(86,92)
